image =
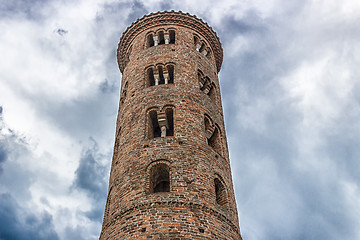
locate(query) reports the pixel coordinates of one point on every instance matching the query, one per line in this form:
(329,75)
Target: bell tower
(170,175)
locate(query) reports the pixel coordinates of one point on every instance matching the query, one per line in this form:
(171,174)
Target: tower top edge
(168,17)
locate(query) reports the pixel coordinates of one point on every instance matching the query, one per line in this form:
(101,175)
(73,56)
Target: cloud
(90,177)
(18,223)
(290,93)
(292,109)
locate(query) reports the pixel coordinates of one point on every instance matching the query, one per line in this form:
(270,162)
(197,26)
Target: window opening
(150,40)
(161,75)
(201,79)
(172,36)
(170,69)
(150,76)
(161,38)
(202,46)
(207,85)
(154,130)
(160,178)
(208,52)
(212,93)
(214,141)
(220,192)
(170,119)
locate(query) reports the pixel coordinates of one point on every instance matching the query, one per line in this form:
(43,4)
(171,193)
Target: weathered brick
(170,176)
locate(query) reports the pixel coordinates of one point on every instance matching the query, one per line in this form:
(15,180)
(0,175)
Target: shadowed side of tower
(170,175)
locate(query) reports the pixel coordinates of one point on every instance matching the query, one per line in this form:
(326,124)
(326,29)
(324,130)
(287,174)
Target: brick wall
(192,208)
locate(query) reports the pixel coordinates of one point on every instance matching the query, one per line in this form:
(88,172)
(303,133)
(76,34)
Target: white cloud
(298,85)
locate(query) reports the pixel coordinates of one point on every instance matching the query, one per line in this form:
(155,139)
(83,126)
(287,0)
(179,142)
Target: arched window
(161,38)
(170,70)
(202,46)
(212,133)
(197,43)
(208,126)
(220,192)
(150,76)
(215,140)
(212,92)
(161,75)
(160,178)
(154,130)
(150,40)
(172,36)
(206,85)
(200,77)
(208,52)
(170,119)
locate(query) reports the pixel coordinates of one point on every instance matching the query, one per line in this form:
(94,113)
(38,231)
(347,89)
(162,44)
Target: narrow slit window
(172,36)
(154,130)
(170,118)
(150,77)
(161,38)
(160,178)
(170,69)
(150,40)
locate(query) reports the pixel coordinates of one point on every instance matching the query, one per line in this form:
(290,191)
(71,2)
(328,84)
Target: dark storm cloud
(18,223)
(89,177)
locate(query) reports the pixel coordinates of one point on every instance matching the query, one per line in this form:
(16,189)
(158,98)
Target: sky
(290,84)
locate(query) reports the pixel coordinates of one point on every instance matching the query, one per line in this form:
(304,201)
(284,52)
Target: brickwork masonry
(170,175)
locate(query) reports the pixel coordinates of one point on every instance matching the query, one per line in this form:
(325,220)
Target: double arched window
(160,37)
(213,134)
(201,46)
(160,123)
(160,74)
(206,85)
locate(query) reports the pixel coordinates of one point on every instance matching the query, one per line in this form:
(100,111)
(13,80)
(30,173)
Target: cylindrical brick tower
(170,175)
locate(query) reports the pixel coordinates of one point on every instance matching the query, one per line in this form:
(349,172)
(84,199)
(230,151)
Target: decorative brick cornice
(162,18)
